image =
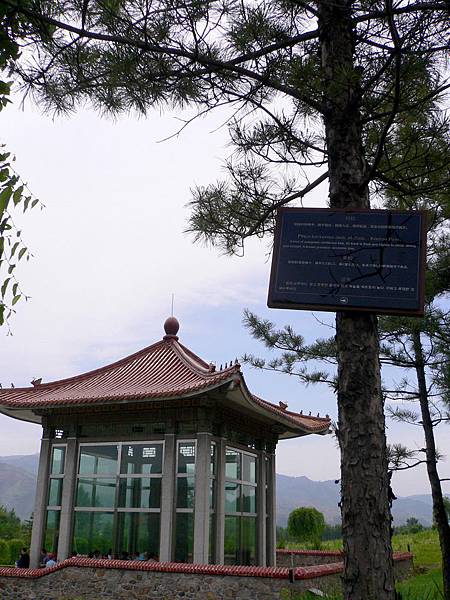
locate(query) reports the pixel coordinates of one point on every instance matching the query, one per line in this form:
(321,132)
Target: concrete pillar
(40,505)
(261,508)
(271,512)
(220,501)
(201,499)
(67,500)
(167,499)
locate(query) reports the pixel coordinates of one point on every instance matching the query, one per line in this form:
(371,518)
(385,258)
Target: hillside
(324,495)
(18,480)
(17,489)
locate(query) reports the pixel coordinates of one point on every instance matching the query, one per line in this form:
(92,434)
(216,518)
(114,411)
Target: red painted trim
(168,567)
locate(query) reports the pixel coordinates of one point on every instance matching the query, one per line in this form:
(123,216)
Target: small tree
(306,525)
(10,525)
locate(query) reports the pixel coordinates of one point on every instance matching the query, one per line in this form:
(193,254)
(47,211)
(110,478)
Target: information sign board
(363,260)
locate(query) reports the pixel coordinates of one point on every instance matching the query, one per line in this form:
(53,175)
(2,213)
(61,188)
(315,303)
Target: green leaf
(2,310)
(21,253)
(17,196)
(5,195)
(35,201)
(4,286)
(14,289)
(14,248)
(15,299)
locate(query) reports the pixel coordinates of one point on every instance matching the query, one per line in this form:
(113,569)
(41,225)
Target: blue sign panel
(333,260)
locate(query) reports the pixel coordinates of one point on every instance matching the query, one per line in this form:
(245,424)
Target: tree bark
(439,512)
(366,521)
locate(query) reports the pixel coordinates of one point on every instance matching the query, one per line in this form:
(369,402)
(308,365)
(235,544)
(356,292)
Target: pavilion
(159,452)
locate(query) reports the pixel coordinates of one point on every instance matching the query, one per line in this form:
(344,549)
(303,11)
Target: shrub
(4,553)
(14,549)
(306,525)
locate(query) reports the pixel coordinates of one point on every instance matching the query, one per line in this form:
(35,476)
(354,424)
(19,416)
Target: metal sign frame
(417,254)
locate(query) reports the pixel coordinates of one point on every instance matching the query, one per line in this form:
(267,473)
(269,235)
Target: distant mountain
(324,495)
(17,489)
(29,462)
(18,481)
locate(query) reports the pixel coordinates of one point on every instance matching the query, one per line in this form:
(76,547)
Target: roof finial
(171,327)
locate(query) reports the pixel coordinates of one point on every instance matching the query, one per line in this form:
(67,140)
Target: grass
(425,586)
(426,582)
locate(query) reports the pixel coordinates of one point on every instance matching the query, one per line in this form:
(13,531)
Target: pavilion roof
(164,370)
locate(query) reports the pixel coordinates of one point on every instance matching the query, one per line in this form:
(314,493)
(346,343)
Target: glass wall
(118,499)
(54,495)
(240,507)
(184,503)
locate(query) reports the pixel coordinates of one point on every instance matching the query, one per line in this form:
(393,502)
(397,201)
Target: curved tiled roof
(166,369)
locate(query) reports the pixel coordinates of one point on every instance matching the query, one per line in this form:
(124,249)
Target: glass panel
(232,540)
(232,464)
(248,499)
(138,535)
(54,493)
(58,459)
(213,465)
(52,531)
(140,493)
(212,494)
(248,550)
(96,492)
(232,497)
(212,540)
(142,458)
(184,529)
(98,460)
(185,492)
(93,531)
(186,457)
(249,468)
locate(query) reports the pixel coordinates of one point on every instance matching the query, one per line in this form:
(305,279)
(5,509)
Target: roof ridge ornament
(171,327)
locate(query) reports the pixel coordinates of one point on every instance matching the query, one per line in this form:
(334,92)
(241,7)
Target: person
(96,554)
(152,557)
(51,562)
(44,557)
(24,559)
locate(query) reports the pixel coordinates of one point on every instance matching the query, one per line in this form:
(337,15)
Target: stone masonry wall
(305,558)
(87,579)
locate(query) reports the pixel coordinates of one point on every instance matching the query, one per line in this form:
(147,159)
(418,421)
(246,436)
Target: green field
(426,582)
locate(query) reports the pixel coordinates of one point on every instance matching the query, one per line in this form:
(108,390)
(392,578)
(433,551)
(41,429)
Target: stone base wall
(306,558)
(87,579)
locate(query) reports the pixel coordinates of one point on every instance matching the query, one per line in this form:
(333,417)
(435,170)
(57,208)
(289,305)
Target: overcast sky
(109,250)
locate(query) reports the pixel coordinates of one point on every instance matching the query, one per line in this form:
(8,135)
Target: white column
(67,500)
(220,501)
(167,499)
(201,499)
(262,509)
(271,511)
(40,506)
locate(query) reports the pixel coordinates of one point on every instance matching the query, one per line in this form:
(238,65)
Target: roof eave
(292,430)
(21,414)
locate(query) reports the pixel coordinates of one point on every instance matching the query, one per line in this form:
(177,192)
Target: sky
(109,250)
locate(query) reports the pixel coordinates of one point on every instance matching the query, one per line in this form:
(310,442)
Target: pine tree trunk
(366,522)
(439,512)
